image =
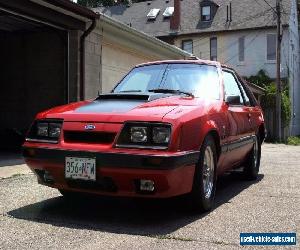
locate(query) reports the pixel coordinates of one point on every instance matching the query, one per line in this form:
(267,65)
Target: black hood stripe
(119,102)
(110,106)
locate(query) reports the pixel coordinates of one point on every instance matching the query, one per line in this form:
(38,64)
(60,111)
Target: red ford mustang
(168,128)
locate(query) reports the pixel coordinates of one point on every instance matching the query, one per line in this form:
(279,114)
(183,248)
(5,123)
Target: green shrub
(285,108)
(269,102)
(293,140)
(260,79)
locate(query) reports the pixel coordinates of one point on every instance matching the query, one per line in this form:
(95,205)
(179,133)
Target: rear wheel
(252,164)
(202,196)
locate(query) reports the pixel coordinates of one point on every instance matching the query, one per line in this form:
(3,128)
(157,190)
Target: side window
(231,86)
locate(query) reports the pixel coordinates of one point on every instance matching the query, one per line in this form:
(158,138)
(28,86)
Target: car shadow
(123,215)
(11,158)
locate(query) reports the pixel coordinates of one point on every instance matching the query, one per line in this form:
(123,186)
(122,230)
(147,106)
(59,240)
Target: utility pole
(278,77)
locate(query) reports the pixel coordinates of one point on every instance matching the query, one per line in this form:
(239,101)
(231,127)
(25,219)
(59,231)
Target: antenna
(230,12)
(227,19)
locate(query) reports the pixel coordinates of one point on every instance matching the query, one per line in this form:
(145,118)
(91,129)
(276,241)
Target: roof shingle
(246,14)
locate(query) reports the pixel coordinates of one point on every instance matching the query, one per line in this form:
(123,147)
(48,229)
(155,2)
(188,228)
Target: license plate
(80,168)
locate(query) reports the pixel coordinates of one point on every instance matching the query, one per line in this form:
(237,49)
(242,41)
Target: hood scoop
(118,102)
(132,96)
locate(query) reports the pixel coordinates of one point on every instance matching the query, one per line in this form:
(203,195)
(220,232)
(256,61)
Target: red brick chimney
(175,19)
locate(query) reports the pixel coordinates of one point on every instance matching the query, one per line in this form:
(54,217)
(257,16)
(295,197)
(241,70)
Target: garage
(40,58)
(33,73)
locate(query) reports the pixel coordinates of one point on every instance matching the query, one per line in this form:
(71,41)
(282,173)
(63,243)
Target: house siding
(255,53)
(201,44)
(255,50)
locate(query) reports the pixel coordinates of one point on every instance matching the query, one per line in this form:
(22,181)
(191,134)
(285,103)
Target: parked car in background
(168,128)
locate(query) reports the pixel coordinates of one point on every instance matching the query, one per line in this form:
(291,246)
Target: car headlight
(161,134)
(138,134)
(45,130)
(54,130)
(42,129)
(145,135)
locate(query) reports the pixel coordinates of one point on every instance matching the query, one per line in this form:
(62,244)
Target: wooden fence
(270,122)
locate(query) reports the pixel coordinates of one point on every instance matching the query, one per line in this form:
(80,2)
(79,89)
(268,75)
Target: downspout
(82,58)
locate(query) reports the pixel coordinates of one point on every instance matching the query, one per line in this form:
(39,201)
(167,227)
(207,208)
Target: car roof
(190,61)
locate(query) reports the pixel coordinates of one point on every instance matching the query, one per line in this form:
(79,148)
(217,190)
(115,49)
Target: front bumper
(118,174)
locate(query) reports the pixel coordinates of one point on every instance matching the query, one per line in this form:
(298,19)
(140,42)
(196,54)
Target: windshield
(199,80)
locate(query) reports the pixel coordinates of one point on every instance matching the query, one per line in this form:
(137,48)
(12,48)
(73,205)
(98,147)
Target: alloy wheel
(208,172)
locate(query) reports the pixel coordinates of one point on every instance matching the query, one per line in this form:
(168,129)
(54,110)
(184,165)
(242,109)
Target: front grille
(89,137)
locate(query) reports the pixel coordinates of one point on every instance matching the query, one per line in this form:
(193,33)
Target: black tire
(198,199)
(252,163)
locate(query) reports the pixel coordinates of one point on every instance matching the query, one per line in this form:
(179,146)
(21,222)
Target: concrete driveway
(36,217)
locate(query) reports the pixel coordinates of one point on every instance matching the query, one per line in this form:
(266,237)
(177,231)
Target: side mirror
(233,100)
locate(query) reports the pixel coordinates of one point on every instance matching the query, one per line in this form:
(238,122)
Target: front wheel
(203,193)
(252,164)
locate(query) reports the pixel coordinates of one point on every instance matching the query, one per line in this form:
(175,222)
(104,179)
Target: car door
(239,131)
(252,107)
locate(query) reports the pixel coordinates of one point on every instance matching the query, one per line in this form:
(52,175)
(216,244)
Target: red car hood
(120,110)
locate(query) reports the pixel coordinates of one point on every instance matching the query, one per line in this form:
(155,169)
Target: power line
(225,48)
(258,3)
(275,11)
(249,18)
(257,34)
(228,60)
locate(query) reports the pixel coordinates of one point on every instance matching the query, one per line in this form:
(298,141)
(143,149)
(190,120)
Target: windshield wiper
(170,91)
(128,91)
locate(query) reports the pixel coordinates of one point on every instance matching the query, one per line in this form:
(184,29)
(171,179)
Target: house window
(242,49)
(271,47)
(205,13)
(187,45)
(213,49)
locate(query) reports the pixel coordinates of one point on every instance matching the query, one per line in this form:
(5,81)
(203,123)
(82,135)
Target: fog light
(147,185)
(48,177)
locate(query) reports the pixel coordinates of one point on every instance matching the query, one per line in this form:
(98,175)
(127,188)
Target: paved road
(36,217)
